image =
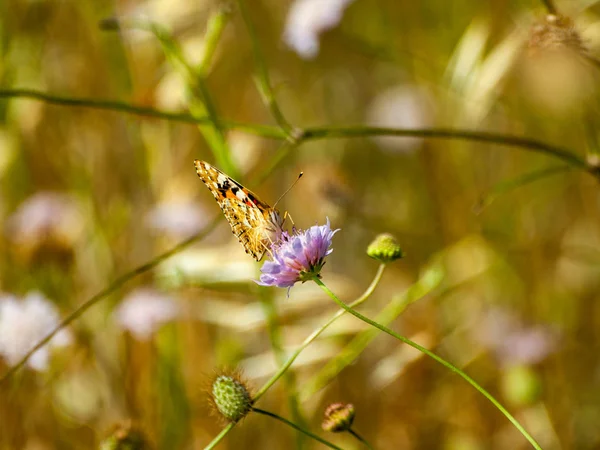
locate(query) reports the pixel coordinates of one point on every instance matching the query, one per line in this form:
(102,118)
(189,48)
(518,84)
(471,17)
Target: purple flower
(297,257)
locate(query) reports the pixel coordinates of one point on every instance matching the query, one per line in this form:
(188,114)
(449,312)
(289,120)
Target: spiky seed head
(231,397)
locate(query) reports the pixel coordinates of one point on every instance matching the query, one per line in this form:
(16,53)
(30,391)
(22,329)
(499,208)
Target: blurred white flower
(405,106)
(307,19)
(23,323)
(144,311)
(513,343)
(178,218)
(45,219)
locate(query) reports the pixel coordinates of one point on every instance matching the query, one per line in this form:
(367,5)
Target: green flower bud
(231,397)
(385,248)
(338,417)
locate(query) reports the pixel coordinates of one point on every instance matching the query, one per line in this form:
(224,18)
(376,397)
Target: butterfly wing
(250,218)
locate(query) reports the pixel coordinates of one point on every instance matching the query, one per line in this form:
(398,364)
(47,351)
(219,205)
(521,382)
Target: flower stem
(432,355)
(360,438)
(220,436)
(318,331)
(293,425)
(289,378)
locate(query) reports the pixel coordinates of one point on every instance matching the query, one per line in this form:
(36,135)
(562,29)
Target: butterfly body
(252,221)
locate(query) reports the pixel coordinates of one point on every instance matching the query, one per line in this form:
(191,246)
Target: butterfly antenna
(288,189)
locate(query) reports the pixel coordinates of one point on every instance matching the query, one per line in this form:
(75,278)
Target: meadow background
(494,199)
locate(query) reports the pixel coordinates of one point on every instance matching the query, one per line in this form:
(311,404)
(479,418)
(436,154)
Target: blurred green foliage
(498,191)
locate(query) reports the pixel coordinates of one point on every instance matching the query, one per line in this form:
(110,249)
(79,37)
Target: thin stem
(219,437)
(368,292)
(263,78)
(360,438)
(440,133)
(317,332)
(293,425)
(274,330)
(512,184)
(214,134)
(432,355)
(214,30)
(112,287)
(317,132)
(123,107)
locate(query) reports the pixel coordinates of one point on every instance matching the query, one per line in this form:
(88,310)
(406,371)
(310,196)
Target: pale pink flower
(144,311)
(25,322)
(307,19)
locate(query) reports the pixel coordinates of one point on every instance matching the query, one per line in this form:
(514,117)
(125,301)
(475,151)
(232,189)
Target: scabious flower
(297,257)
(307,19)
(338,417)
(23,323)
(144,311)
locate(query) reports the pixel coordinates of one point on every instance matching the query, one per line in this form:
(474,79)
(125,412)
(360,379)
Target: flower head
(385,248)
(297,257)
(23,323)
(338,417)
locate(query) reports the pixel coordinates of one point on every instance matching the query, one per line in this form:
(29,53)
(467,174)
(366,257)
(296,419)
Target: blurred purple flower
(144,311)
(297,257)
(513,342)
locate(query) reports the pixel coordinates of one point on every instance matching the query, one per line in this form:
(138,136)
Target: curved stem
(293,425)
(316,132)
(289,378)
(441,133)
(317,332)
(360,438)
(432,355)
(124,107)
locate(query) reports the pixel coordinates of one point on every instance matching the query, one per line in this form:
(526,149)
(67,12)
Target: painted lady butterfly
(253,222)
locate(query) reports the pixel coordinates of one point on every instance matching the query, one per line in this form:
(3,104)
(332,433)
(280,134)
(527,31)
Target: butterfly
(252,221)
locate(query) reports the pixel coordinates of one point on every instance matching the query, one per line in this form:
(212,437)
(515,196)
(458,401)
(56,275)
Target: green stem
(440,133)
(293,425)
(432,355)
(123,107)
(220,436)
(360,438)
(289,379)
(368,292)
(214,134)
(316,132)
(317,332)
(264,82)
(214,30)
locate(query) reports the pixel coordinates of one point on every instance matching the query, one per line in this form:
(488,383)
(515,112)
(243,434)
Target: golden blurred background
(495,201)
